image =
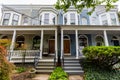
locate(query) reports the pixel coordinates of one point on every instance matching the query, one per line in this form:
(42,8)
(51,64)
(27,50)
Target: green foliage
(93,72)
(80,4)
(103,56)
(58,74)
(20,69)
(5,66)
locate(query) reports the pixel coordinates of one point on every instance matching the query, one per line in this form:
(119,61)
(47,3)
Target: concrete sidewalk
(46,76)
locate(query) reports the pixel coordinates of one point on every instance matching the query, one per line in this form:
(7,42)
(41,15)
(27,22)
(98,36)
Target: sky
(40,2)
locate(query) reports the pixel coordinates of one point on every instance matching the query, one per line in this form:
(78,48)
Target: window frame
(16,21)
(6,19)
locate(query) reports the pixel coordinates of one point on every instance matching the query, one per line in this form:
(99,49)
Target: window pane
(5,21)
(15,17)
(25,20)
(7,16)
(72,17)
(65,19)
(104,20)
(46,18)
(113,18)
(15,22)
(84,21)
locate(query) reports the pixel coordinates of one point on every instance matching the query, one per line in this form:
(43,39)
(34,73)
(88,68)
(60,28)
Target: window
(53,20)
(46,18)
(40,19)
(113,18)
(83,41)
(65,19)
(72,18)
(84,21)
(15,19)
(25,20)
(20,42)
(104,20)
(94,20)
(36,42)
(6,19)
(99,41)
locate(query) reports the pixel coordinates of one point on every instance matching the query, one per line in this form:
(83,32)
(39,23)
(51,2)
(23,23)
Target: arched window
(115,41)
(20,41)
(84,21)
(83,40)
(36,42)
(66,37)
(99,41)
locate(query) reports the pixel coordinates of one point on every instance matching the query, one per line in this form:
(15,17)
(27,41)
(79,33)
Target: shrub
(93,72)
(58,74)
(103,56)
(5,66)
(20,69)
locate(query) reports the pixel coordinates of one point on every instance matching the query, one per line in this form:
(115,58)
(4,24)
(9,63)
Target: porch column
(13,41)
(41,44)
(106,38)
(56,47)
(76,36)
(62,43)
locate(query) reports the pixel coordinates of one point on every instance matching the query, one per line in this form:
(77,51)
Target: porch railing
(22,55)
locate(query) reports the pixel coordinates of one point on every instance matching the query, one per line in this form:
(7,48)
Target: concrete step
(79,72)
(44,71)
(73,68)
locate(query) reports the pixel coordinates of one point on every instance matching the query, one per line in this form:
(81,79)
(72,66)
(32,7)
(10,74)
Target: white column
(62,43)
(13,41)
(76,36)
(41,44)
(105,38)
(56,51)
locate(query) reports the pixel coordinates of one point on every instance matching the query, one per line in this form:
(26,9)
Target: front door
(51,46)
(66,46)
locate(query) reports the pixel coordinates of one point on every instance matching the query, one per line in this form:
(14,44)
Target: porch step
(73,66)
(45,66)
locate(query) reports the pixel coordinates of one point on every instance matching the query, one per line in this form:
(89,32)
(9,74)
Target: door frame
(48,46)
(70,44)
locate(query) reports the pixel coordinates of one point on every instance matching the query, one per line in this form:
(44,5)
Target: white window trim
(11,17)
(50,17)
(68,18)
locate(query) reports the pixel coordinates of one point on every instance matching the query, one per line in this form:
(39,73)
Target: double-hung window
(104,19)
(72,18)
(113,19)
(15,19)
(6,18)
(46,18)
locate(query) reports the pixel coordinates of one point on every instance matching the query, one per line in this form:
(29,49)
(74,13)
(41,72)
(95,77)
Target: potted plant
(32,72)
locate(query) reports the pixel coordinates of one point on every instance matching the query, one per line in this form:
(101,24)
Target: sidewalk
(45,77)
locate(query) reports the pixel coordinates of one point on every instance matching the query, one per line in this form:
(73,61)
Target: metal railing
(36,59)
(55,60)
(62,60)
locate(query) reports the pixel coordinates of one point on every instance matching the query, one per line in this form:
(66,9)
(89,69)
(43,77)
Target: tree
(80,4)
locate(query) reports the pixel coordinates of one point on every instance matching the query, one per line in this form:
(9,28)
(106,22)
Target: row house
(48,31)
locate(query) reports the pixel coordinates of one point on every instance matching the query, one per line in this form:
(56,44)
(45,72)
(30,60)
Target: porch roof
(64,27)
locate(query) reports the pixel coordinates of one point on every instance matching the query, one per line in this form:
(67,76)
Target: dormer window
(6,18)
(15,19)
(25,20)
(53,20)
(84,21)
(104,19)
(72,18)
(46,18)
(65,19)
(113,19)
